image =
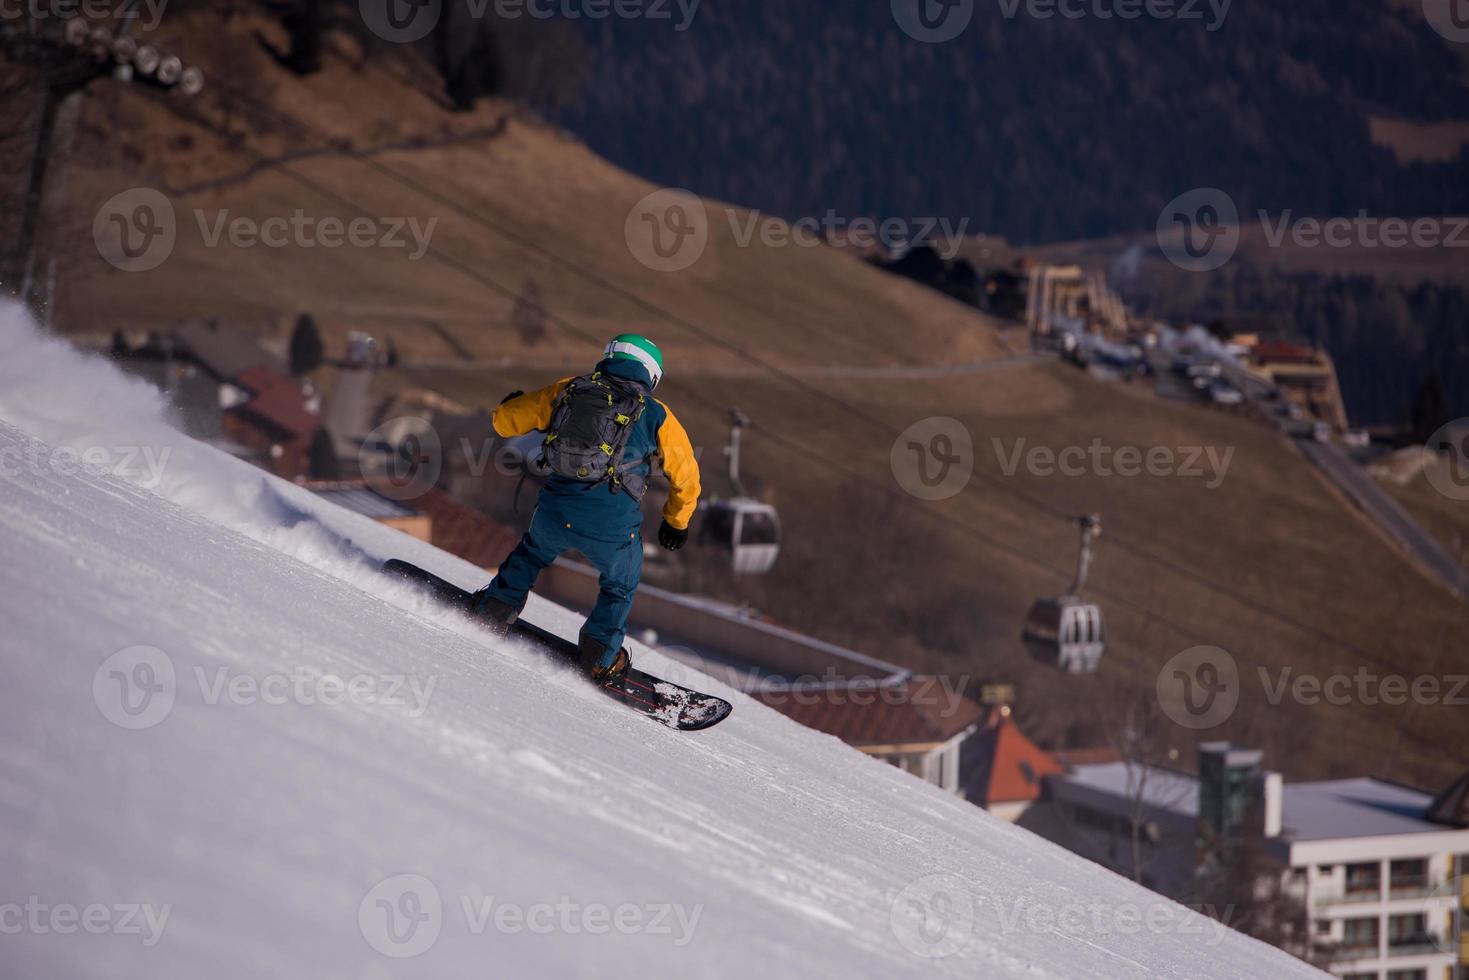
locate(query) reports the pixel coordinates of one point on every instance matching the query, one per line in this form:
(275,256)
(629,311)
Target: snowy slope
(470,804)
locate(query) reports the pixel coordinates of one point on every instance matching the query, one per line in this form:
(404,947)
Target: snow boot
(496,615)
(599,664)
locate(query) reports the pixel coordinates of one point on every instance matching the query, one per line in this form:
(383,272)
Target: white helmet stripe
(642,356)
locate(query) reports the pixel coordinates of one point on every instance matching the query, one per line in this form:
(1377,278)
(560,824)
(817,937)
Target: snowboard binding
(594,662)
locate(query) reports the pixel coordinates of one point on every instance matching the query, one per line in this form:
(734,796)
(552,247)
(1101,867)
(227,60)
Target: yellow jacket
(658,434)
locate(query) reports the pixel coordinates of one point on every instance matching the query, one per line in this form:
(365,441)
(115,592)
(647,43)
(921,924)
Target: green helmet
(636,347)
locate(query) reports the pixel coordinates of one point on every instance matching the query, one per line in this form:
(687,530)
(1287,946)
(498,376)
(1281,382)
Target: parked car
(1223,393)
(1205,369)
(1291,410)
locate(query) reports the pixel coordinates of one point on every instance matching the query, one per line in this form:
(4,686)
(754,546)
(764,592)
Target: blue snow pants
(620,563)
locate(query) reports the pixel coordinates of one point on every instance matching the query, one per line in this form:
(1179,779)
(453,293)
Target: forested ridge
(1035,129)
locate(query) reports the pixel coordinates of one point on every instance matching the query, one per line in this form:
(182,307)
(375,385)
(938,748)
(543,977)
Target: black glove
(513,395)
(671,537)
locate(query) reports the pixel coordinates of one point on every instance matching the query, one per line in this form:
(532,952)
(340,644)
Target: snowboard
(668,703)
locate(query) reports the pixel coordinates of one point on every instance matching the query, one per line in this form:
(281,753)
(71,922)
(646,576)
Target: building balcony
(1340,954)
(1347,898)
(1406,890)
(1424,946)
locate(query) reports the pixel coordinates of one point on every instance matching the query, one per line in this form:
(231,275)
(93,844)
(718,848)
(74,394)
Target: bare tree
(1246,888)
(39,78)
(529,314)
(480,54)
(1146,741)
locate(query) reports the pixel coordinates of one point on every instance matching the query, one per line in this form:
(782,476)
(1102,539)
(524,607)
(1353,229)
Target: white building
(1380,870)
(1384,886)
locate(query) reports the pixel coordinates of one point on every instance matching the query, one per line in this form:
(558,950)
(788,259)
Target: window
(1097,820)
(1323,927)
(1410,874)
(1408,930)
(758,527)
(1359,933)
(1326,869)
(1364,878)
(1407,975)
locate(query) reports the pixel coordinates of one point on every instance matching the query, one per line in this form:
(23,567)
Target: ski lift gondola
(1064,631)
(747,527)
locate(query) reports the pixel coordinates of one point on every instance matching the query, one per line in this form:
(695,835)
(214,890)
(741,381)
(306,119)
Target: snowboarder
(602,431)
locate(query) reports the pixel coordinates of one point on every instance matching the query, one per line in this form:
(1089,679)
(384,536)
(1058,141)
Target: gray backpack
(590,424)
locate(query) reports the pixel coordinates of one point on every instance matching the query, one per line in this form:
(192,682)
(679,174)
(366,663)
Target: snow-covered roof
(1165,789)
(1327,810)
(359,498)
(916,712)
(1353,808)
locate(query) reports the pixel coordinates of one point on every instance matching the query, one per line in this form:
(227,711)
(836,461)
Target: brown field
(1412,142)
(513,202)
(1445,518)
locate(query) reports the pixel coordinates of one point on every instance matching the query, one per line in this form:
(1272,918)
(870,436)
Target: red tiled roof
(464,531)
(1002,765)
(456,528)
(279,401)
(1268,351)
(921,712)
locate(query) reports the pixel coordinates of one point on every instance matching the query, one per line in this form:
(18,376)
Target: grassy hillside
(1268,564)
(512,202)
(1445,518)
